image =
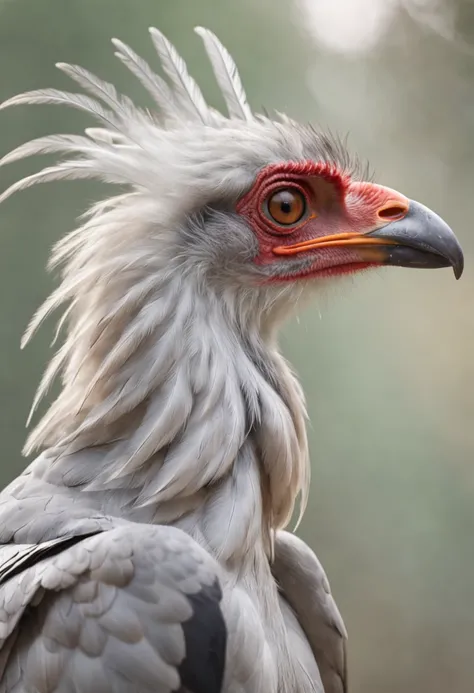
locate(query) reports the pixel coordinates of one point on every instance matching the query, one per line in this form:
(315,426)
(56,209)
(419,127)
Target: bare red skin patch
(335,205)
(273,177)
(270,179)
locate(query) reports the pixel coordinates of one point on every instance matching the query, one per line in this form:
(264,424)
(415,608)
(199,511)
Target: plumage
(227,75)
(186,89)
(56,97)
(153,83)
(144,549)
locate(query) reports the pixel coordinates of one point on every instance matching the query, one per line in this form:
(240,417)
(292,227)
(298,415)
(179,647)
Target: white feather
(227,75)
(48,145)
(155,85)
(65,170)
(102,135)
(52,370)
(186,89)
(62,98)
(96,86)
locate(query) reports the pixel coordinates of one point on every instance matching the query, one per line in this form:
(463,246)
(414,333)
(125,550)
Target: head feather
(186,89)
(153,83)
(227,75)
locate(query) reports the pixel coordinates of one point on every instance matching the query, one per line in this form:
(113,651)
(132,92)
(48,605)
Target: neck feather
(185,394)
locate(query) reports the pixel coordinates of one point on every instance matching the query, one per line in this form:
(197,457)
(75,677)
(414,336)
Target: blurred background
(386,359)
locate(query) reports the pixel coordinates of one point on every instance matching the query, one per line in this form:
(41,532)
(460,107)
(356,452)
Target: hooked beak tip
(421,239)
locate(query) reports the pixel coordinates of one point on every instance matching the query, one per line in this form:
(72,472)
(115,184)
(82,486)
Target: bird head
(252,199)
(244,210)
(313,220)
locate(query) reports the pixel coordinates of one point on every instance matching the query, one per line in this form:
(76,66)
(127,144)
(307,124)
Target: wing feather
(138,603)
(306,588)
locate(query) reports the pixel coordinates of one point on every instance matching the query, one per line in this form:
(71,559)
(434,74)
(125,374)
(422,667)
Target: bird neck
(197,414)
(242,458)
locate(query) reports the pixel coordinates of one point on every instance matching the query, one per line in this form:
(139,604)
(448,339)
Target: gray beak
(421,239)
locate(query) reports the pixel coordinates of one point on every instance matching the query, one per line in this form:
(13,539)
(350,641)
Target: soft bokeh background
(386,361)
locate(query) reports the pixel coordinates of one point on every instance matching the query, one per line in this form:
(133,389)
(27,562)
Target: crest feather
(186,89)
(227,75)
(153,83)
(117,150)
(62,98)
(96,86)
(49,144)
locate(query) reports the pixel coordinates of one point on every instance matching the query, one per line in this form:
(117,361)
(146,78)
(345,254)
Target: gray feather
(118,596)
(304,584)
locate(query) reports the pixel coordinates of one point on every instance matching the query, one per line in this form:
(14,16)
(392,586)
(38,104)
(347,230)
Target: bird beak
(420,239)
(417,238)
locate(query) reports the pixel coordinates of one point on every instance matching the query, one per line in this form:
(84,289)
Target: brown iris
(286,206)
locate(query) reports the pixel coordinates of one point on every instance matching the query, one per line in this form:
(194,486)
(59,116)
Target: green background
(385,358)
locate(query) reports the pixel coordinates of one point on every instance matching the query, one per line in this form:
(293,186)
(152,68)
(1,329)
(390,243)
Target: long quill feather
(153,83)
(186,88)
(227,75)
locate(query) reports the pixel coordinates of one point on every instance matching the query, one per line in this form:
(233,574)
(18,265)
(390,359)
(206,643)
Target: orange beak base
(420,238)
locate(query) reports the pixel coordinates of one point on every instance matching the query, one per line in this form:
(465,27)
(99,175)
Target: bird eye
(286,206)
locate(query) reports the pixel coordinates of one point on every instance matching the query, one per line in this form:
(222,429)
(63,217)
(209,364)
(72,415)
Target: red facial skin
(335,205)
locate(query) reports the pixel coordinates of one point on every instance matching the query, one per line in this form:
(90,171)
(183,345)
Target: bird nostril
(393,212)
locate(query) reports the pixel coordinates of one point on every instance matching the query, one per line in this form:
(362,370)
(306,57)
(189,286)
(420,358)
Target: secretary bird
(143,550)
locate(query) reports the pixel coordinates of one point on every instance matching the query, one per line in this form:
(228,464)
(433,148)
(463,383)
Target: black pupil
(286,201)
(286,207)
